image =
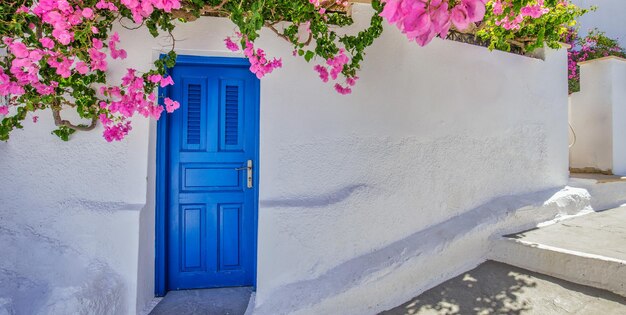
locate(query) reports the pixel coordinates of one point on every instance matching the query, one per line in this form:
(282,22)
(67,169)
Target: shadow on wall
(318,201)
(496,288)
(45,275)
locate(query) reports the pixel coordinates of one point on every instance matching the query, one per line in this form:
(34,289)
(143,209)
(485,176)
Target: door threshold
(220,301)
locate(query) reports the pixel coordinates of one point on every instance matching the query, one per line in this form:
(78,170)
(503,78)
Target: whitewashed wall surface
(598,117)
(365,200)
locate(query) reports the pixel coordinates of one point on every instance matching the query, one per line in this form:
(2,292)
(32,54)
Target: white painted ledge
(601,60)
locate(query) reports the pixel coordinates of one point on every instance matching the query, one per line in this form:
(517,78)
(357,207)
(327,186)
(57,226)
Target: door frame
(162,172)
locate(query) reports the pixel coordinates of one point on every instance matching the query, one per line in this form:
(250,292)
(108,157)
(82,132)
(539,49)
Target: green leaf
(309,55)
(64,133)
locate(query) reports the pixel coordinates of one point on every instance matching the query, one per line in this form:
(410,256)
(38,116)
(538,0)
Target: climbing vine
(593,46)
(58,51)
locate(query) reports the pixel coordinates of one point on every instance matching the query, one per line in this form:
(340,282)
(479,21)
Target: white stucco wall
(440,131)
(69,218)
(598,115)
(609,18)
(352,188)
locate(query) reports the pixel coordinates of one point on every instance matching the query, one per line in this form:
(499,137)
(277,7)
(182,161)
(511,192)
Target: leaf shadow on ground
(491,288)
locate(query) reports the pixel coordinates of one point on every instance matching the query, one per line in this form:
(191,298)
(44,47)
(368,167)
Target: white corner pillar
(598,117)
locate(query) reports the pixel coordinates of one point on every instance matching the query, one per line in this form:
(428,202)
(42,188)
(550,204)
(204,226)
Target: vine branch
(58,121)
(285,37)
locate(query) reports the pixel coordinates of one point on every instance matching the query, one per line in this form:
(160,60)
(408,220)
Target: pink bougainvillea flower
(4,110)
(96,43)
(498,8)
(103,4)
(391,11)
(534,11)
(336,63)
(475,9)
(87,13)
(98,61)
(423,20)
(155,78)
(63,36)
(259,64)
(22,9)
(115,38)
(19,50)
(322,71)
(459,17)
(165,81)
(47,42)
(342,90)
(104,119)
(171,105)
(82,67)
(35,55)
(513,21)
(116,132)
(167,5)
(230,44)
(351,81)
(155,111)
(63,68)
(116,53)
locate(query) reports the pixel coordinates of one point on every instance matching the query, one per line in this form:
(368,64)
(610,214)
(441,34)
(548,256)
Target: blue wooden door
(211,216)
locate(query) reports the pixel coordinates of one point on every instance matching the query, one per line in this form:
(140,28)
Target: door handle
(248,169)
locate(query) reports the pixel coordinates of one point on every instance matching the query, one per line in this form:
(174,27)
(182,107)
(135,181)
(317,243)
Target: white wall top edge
(602,59)
(156,52)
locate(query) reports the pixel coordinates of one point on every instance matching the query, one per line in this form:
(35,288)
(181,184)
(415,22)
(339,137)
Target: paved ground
(223,301)
(599,178)
(491,288)
(601,233)
(496,288)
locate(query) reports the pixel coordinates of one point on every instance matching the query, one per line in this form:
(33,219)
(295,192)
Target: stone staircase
(572,264)
(588,250)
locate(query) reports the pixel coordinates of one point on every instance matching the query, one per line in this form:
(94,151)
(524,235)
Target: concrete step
(607,191)
(220,301)
(588,250)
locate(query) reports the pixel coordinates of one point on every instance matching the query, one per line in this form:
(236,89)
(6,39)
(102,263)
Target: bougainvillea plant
(593,46)
(527,26)
(58,51)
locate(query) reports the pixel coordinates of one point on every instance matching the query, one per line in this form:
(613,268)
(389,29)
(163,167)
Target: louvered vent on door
(231,115)
(194,114)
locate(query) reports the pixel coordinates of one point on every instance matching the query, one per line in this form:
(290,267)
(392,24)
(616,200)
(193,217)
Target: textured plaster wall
(607,18)
(358,194)
(429,134)
(69,222)
(598,114)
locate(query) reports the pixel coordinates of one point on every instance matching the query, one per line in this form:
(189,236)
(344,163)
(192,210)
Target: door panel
(230,221)
(211,229)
